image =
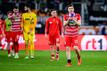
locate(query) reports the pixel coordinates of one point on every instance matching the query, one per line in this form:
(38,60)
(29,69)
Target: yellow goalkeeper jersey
(29,21)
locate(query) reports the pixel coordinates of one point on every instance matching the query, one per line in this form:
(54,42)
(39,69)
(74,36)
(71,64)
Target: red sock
(16,47)
(9,51)
(52,55)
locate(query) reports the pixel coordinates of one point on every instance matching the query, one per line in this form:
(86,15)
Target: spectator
(102,30)
(87,31)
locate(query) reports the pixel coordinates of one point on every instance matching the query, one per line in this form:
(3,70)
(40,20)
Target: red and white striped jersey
(16,22)
(71,30)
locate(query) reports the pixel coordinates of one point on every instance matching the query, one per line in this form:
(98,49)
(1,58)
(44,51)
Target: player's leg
(68,55)
(32,49)
(68,51)
(78,54)
(52,50)
(57,47)
(26,38)
(12,43)
(0,39)
(8,43)
(0,45)
(8,49)
(27,49)
(16,49)
(12,49)
(16,45)
(31,43)
(0,42)
(75,41)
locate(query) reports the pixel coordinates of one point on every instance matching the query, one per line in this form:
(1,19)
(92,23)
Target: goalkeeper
(28,24)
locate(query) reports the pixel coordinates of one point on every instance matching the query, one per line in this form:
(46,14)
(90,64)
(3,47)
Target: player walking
(16,29)
(29,20)
(8,33)
(53,29)
(72,22)
(1,29)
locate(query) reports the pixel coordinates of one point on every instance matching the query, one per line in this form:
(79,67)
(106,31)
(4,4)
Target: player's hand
(70,18)
(74,19)
(21,32)
(30,31)
(3,35)
(22,29)
(62,35)
(46,35)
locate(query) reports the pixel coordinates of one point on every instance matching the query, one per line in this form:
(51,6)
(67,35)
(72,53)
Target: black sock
(69,60)
(78,55)
(52,55)
(57,49)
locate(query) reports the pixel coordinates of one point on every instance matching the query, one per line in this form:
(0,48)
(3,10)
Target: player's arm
(3,28)
(35,21)
(78,20)
(66,21)
(22,21)
(61,27)
(46,27)
(5,25)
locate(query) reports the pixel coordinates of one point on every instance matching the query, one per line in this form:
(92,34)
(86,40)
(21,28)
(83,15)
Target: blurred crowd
(93,30)
(93,12)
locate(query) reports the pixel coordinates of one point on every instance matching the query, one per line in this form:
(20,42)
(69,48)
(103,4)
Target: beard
(25,11)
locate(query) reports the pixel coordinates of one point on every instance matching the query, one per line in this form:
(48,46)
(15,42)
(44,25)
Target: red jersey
(71,30)
(1,26)
(53,26)
(16,22)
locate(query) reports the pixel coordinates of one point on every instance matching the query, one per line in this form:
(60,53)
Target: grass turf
(91,61)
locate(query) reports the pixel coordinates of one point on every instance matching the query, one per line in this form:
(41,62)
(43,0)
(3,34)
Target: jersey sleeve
(46,26)
(3,26)
(22,20)
(60,25)
(79,18)
(35,20)
(65,18)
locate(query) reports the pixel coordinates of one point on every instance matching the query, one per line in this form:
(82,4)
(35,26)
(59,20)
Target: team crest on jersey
(50,22)
(27,18)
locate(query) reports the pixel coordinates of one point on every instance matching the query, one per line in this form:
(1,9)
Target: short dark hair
(28,5)
(70,5)
(52,10)
(9,12)
(15,7)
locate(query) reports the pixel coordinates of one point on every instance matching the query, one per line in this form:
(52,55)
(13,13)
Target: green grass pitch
(91,61)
